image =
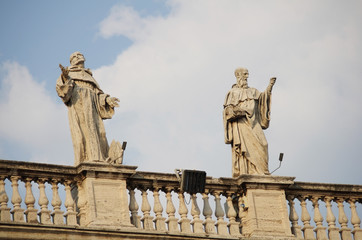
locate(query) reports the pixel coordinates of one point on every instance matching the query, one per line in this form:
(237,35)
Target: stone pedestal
(5,214)
(197,226)
(31,215)
(357,234)
(102,195)
(264,207)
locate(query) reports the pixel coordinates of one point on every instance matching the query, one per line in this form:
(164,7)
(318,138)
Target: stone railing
(165,188)
(97,199)
(225,209)
(334,198)
(60,182)
(40,175)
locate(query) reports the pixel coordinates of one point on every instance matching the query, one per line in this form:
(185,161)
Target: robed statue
(246,114)
(87,106)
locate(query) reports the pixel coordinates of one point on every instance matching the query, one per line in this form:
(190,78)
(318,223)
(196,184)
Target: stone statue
(246,114)
(87,107)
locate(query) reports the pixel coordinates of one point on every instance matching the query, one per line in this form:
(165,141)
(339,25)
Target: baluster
(305,217)
(170,210)
(4,209)
(318,219)
(293,217)
(355,220)
(57,214)
(17,212)
(195,212)
(333,231)
(209,224)
(221,225)
(234,228)
(243,211)
(70,215)
(184,221)
(44,214)
(31,212)
(158,209)
(146,208)
(343,221)
(82,204)
(133,207)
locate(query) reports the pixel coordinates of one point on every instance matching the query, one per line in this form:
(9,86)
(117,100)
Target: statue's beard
(243,83)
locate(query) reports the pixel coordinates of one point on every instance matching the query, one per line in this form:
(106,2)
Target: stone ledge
(105,167)
(41,232)
(9,231)
(45,170)
(325,189)
(267,182)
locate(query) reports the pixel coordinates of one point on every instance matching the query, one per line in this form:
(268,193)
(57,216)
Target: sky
(171,64)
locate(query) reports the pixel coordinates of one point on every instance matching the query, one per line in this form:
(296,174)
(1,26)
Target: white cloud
(173,79)
(125,21)
(30,119)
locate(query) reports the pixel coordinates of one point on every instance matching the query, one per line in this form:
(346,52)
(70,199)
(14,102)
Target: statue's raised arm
(64,74)
(271,84)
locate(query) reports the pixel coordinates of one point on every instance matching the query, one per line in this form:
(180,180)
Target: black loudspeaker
(193,181)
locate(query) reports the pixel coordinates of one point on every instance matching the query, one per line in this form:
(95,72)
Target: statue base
(102,195)
(263,206)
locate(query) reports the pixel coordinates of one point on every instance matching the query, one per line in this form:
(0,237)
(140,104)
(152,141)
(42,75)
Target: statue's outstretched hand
(272,81)
(271,84)
(112,101)
(65,73)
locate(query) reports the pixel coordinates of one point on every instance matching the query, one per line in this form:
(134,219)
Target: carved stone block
(266,213)
(107,203)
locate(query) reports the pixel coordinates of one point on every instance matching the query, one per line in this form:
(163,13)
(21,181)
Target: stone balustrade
(182,212)
(97,199)
(334,198)
(225,209)
(47,178)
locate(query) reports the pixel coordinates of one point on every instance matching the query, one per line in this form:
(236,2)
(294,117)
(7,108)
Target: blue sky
(171,64)
(38,33)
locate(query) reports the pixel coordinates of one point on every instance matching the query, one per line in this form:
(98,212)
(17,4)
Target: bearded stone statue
(246,114)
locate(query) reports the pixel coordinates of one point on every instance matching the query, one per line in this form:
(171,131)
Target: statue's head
(76,58)
(242,75)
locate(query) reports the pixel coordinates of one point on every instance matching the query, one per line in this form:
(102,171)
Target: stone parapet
(332,196)
(106,201)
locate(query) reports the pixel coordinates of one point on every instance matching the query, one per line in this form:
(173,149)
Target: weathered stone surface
(107,203)
(37,232)
(266,213)
(103,194)
(87,106)
(115,153)
(264,206)
(246,114)
(258,200)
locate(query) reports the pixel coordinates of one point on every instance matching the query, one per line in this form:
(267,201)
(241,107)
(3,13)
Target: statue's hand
(238,111)
(271,84)
(112,101)
(65,73)
(272,81)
